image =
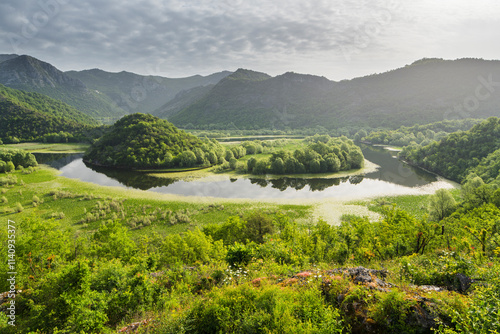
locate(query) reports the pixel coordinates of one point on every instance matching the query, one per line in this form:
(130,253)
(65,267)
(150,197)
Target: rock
(362,277)
(462,282)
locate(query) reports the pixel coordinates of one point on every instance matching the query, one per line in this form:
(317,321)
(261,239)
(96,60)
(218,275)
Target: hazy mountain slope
(29,116)
(30,74)
(181,100)
(138,93)
(426,91)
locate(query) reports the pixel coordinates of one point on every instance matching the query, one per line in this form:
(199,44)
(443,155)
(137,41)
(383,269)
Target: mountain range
(102,95)
(425,91)
(138,93)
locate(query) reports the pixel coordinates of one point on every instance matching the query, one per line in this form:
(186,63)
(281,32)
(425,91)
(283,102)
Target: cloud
(182,37)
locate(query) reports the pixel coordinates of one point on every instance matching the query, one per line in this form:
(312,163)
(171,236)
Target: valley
(241,202)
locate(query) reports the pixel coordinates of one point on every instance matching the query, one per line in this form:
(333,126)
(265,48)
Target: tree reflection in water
(315,184)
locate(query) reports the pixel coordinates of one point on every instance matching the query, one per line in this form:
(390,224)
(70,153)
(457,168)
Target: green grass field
(50,147)
(82,206)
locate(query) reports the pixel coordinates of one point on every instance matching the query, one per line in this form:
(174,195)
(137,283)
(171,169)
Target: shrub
(432,270)
(269,309)
(392,311)
(18,207)
(8,180)
(35,200)
(239,254)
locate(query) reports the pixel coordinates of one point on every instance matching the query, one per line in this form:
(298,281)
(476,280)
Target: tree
(232,163)
(441,205)
(187,159)
(251,164)
(314,166)
(332,162)
(278,166)
(212,157)
(9,167)
(475,192)
(229,155)
(258,225)
(261,167)
(168,159)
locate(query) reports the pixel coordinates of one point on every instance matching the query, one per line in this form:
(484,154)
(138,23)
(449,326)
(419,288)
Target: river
(390,177)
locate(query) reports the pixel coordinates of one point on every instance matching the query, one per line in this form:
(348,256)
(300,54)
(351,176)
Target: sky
(337,39)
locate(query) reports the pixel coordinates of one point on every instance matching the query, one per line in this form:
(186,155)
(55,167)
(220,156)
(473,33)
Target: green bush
(269,309)
(438,270)
(239,254)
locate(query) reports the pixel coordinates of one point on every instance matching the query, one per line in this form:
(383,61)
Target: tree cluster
(458,153)
(11,159)
(418,134)
(324,154)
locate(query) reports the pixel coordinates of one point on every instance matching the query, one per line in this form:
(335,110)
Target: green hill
(460,152)
(145,141)
(29,116)
(429,90)
(32,75)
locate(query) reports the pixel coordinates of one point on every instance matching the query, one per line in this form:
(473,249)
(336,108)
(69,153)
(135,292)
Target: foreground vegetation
(96,259)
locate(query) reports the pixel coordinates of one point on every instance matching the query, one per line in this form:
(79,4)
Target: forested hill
(418,134)
(26,116)
(139,93)
(429,90)
(30,74)
(460,153)
(145,141)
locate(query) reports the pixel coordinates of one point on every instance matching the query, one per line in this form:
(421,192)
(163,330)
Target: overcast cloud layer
(175,38)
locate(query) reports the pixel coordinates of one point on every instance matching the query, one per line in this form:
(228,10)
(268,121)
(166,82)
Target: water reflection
(314,184)
(133,179)
(393,176)
(57,160)
(393,170)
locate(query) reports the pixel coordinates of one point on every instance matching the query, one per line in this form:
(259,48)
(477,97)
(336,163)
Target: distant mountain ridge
(32,75)
(138,93)
(426,91)
(100,94)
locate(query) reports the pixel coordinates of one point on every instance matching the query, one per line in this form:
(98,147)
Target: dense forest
(145,141)
(459,153)
(322,155)
(34,117)
(417,134)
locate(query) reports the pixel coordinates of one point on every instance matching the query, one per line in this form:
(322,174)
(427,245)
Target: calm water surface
(392,177)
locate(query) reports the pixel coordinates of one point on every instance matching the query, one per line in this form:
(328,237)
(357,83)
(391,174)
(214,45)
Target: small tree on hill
(441,205)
